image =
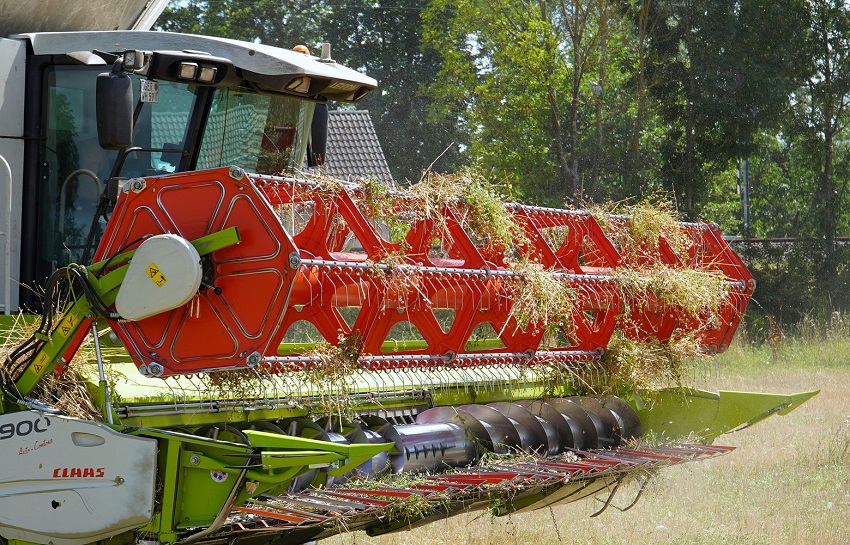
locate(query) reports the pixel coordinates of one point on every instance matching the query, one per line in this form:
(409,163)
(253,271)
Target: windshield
(258,133)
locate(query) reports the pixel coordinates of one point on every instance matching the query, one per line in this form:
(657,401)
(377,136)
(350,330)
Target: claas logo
(78,472)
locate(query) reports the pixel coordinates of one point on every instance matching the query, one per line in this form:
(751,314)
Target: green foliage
(608,100)
(791,283)
(281,23)
(719,79)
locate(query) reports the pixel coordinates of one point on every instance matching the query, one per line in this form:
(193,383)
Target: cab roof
(258,65)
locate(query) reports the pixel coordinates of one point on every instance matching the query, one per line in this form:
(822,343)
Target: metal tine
(173,391)
(393,379)
(362,288)
(433,378)
(454,288)
(377,385)
(292,205)
(391,374)
(197,389)
(457,378)
(350,283)
(468,378)
(264,397)
(451,379)
(445,288)
(517,374)
(480,378)
(302,270)
(513,373)
(363,375)
(440,372)
(431,283)
(398,379)
(411,373)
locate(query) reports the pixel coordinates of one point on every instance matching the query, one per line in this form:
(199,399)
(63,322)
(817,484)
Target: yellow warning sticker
(39,362)
(156,275)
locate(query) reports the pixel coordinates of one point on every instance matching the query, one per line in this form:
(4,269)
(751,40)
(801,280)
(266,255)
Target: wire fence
(798,281)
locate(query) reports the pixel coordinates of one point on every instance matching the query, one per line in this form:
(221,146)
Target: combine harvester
(269,364)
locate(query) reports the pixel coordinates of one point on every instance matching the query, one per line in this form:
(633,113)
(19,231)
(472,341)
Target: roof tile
(353,148)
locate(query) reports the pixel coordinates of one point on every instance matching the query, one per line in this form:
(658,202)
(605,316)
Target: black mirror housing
(318,137)
(114,109)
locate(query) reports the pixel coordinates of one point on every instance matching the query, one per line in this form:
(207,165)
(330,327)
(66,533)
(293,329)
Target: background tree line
(569,101)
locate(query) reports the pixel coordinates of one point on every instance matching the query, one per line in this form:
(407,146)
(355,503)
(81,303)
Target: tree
(281,23)
(525,66)
(380,39)
(720,80)
(821,107)
(383,40)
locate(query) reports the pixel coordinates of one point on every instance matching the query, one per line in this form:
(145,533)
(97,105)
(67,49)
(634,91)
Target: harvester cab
(233,348)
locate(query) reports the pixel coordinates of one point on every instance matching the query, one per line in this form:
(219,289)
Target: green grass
(788,482)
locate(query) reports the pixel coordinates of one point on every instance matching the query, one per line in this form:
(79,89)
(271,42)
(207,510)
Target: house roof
(353,149)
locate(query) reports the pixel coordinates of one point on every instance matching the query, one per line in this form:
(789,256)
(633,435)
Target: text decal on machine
(74,472)
(23,428)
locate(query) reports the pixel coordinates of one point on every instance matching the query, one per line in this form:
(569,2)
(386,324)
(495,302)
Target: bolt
(294,260)
(155,369)
(136,185)
(236,173)
(195,460)
(254,359)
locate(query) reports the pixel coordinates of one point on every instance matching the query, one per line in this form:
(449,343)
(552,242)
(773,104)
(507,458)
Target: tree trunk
(557,133)
(635,170)
(575,194)
(598,94)
(556,130)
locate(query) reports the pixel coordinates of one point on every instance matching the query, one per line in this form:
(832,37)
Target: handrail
(7,246)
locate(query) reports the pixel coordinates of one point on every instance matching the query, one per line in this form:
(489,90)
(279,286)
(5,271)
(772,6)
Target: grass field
(788,482)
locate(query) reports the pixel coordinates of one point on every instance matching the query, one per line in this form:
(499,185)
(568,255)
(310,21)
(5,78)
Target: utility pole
(747,197)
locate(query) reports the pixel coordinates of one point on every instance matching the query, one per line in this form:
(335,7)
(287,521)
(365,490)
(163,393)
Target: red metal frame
(273,279)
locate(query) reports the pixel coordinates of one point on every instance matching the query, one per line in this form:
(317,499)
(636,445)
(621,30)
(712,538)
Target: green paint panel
(680,413)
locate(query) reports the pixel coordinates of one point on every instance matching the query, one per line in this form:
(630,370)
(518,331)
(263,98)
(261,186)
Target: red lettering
(79,472)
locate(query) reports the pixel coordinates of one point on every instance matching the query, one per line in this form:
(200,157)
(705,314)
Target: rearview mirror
(318,137)
(114,101)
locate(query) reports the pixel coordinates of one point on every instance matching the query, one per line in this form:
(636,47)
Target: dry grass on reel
(638,229)
(393,275)
(632,365)
(234,384)
(475,201)
(540,299)
(698,292)
(331,376)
